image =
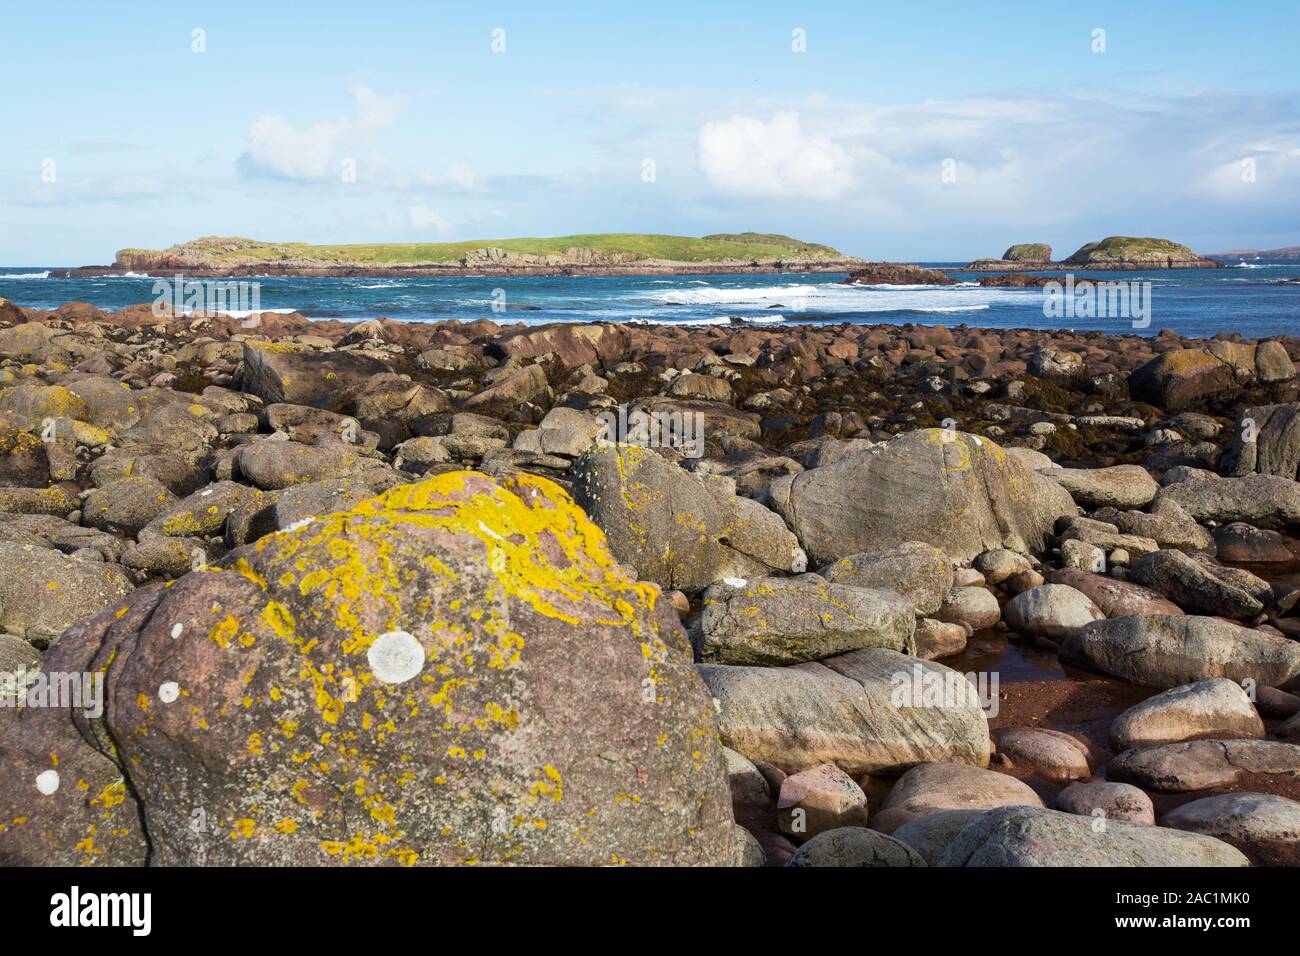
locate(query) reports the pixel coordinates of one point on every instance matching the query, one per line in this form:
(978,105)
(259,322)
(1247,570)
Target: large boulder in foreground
(868,711)
(676,529)
(1031,836)
(1158,650)
(958,492)
(455,671)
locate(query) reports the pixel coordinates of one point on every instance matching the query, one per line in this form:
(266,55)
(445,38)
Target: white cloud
(315,153)
(422,217)
(747,157)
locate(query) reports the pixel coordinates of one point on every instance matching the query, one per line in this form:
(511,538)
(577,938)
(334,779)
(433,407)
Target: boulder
(203,513)
(676,529)
(126,505)
(747,784)
(522,386)
(1164,651)
(1109,801)
(960,493)
(284,372)
(1114,598)
(44,592)
(1263,826)
(1203,764)
(974,607)
(1245,544)
(563,431)
(1266,501)
(271,465)
(1265,441)
(572,344)
(1048,753)
(1214,708)
(1053,611)
(771,621)
(1119,486)
(918,571)
(1033,836)
(930,835)
(1273,363)
(456,671)
(1167,524)
(938,639)
(854,846)
(1197,586)
(818,799)
(746,851)
(1000,565)
(1179,378)
(16,654)
(865,712)
(937,787)
(1104,535)
(709,387)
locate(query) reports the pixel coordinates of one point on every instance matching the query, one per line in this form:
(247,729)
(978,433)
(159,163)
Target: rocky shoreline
(166,269)
(387,593)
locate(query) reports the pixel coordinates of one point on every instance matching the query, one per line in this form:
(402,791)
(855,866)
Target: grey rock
(918,571)
(1213,708)
(772,621)
(1109,801)
(861,711)
(1167,651)
(1032,836)
(960,493)
(855,846)
(1053,611)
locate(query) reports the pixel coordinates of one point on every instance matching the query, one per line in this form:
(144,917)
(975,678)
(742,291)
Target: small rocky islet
(386,593)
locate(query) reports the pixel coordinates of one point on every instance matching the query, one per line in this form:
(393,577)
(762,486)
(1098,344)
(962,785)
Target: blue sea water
(1245,297)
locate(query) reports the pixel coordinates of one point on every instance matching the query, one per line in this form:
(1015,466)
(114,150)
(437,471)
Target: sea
(1250,297)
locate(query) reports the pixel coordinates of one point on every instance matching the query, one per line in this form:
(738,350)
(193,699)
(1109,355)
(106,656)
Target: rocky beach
(424,593)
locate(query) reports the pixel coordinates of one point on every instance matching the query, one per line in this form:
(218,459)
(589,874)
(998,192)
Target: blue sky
(938,131)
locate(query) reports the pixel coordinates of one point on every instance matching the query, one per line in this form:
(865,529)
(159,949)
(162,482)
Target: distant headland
(596,254)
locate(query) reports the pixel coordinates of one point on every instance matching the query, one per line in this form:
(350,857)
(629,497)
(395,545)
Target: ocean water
(1246,297)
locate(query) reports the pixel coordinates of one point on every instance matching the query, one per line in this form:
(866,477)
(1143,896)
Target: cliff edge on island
(597,254)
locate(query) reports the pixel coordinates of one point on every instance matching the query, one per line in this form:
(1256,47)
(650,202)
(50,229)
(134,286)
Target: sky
(931,131)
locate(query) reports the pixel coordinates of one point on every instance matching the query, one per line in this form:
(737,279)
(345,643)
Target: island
(1286,254)
(1114,253)
(596,254)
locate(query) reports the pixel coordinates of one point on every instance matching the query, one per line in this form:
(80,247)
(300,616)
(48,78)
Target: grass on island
(1029,252)
(1130,249)
(216,250)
